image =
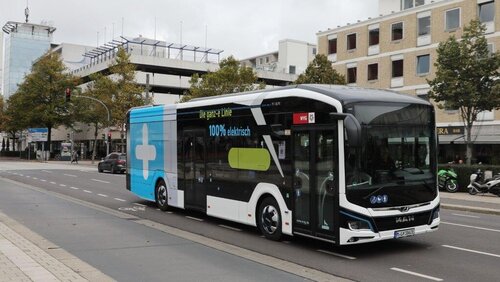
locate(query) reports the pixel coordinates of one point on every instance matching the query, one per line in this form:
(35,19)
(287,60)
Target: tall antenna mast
(27,11)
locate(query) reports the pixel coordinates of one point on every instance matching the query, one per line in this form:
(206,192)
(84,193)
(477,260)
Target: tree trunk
(95,141)
(468,154)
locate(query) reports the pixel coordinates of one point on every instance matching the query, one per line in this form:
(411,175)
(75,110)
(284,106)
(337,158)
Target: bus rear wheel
(161,195)
(269,219)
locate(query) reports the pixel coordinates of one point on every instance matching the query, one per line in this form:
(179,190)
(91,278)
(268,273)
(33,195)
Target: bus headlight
(359,225)
(435,214)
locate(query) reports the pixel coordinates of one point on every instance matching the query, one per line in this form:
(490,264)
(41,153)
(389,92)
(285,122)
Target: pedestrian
(74,157)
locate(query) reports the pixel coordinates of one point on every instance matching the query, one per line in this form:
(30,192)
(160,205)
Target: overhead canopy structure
(145,46)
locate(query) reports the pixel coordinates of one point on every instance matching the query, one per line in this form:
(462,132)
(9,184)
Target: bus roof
(344,94)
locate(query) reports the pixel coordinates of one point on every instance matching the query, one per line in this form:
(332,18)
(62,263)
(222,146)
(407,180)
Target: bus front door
(195,196)
(315,182)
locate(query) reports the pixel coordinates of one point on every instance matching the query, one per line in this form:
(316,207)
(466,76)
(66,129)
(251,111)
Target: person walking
(74,157)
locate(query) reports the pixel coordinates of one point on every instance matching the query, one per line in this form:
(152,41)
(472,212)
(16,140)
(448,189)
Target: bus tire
(269,219)
(161,195)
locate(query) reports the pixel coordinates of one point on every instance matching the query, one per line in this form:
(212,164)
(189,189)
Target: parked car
(114,162)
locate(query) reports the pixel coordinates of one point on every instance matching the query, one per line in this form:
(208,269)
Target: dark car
(114,162)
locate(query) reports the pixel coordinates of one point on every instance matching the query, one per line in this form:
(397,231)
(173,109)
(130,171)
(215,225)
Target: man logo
(406,218)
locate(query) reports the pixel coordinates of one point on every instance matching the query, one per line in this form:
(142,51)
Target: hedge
(464,171)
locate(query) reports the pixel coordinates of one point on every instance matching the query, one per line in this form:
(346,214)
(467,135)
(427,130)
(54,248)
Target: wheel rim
(270,219)
(452,186)
(162,195)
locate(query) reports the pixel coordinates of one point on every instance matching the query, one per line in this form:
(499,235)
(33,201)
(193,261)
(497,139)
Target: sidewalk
(25,256)
(463,201)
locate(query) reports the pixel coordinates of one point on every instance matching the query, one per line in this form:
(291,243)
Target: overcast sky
(240,28)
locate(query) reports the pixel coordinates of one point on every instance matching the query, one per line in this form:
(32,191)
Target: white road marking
(62,185)
(471,251)
(70,175)
(465,215)
(121,200)
(416,274)
(74,188)
(102,181)
(194,218)
(87,191)
(102,195)
(336,254)
(168,211)
(141,205)
(470,226)
(52,182)
(35,178)
(20,174)
(43,180)
(230,228)
(46,171)
(27,176)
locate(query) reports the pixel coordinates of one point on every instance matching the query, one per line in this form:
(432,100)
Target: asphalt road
(465,248)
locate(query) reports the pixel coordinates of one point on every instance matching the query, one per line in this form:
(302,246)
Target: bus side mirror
(353,131)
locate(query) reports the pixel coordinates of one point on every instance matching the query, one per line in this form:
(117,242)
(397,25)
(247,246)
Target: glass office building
(24,43)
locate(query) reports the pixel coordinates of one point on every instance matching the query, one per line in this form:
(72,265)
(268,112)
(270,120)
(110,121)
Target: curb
(470,209)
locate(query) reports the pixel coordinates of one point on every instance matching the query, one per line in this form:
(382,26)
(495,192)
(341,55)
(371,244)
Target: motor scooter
(447,179)
(478,185)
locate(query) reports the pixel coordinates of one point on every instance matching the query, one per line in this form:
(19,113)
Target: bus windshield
(394,165)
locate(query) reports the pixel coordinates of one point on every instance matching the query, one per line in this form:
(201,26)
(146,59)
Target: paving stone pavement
(25,256)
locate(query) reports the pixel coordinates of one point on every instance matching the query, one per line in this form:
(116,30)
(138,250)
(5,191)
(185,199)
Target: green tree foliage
(39,100)
(126,93)
(230,78)
(320,71)
(92,112)
(467,77)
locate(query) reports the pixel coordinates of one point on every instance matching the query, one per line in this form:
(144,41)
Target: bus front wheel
(269,219)
(161,195)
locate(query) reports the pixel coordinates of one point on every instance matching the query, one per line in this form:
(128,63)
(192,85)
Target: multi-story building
(397,50)
(292,57)
(24,43)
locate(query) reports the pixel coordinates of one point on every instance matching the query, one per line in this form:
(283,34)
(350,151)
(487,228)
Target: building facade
(397,51)
(23,44)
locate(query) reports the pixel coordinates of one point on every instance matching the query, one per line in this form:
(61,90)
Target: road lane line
(43,180)
(336,254)
(35,178)
(121,200)
(70,175)
(194,218)
(465,215)
(416,274)
(470,226)
(74,188)
(102,181)
(46,171)
(102,195)
(52,182)
(27,176)
(20,174)
(471,251)
(62,185)
(230,228)
(141,205)
(87,191)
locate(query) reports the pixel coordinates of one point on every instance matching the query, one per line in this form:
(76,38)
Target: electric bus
(340,164)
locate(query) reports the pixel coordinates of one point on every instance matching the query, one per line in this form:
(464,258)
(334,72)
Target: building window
(260,61)
(397,68)
(423,64)
(314,51)
(487,12)
(491,49)
(452,19)
(267,60)
(332,46)
(291,69)
(373,72)
(397,31)
(424,26)
(351,41)
(373,37)
(351,74)
(408,4)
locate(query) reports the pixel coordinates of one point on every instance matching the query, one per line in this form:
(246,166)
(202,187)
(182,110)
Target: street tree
(39,100)
(126,93)
(230,78)
(90,111)
(467,77)
(320,71)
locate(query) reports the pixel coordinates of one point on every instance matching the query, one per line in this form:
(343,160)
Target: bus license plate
(404,233)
